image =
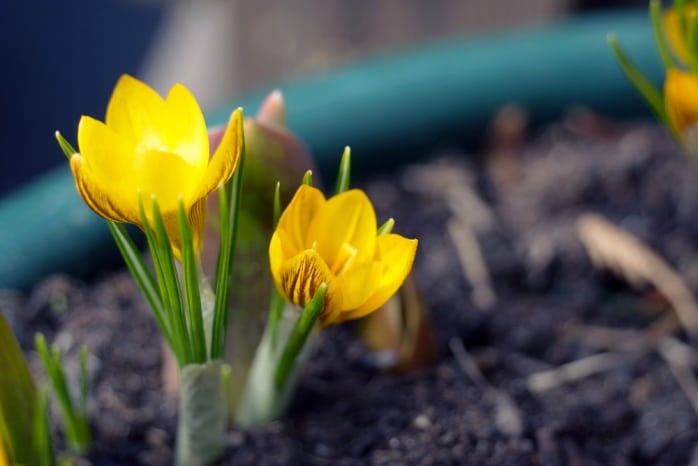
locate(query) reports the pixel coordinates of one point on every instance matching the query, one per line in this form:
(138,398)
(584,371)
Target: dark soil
(544,305)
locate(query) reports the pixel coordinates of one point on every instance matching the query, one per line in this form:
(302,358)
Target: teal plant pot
(390,109)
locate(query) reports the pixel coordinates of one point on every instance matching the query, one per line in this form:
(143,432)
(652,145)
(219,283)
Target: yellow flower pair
(154,147)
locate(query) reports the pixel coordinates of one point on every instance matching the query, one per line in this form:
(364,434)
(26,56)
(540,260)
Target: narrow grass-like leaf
(18,398)
(143,276)
(43,441)
(646,89)
(692,39)
(68,150)
(76,426)
(171,280)
(276,310)
(226,252)
(298,337)
(344,174)
(387,227)
(277,301)
(680,7)
(308,178)
(277,205)
(659,35)
(191,288)
(178,344)
(84,382)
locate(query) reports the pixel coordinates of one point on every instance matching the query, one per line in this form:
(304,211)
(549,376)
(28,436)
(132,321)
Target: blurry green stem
(43,442)
(75,420)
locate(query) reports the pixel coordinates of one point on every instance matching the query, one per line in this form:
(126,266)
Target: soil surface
(544,358)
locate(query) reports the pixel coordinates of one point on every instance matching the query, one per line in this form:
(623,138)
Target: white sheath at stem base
(261,400)
(202,414)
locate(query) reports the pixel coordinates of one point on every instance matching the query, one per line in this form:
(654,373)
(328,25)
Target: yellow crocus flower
(681,99)
(675,34)
(335,242)
(152,147)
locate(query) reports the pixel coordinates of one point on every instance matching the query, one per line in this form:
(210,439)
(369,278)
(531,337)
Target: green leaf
(277,205)
(18,400)
(646,89)
(387,227)
(168,281)
(68,150)
(298,337)
(230,201)
(680,7)
(84,382)
(659,36)
(75,423)
(191,286)
(144,278)
(344,174)
(308,178)
(692,39)
(43,441)
(275,313)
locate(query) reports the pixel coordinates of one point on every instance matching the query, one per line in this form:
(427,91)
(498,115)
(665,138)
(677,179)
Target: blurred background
(62,59)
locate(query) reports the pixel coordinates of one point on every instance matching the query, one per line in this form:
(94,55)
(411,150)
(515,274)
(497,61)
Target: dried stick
(473,263)
(616,249)
(573,371)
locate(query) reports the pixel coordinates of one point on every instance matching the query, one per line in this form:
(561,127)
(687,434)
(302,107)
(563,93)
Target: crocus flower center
(344,260)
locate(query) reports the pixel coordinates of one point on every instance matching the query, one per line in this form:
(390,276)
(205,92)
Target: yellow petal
(183,128)
(276,258)
(197,221)
(301,276)
(117,208)
(110,157)
(681,98)
(396,253)
(167,176)
(296,219)
(346,221)
(134,112)
(355,286)
(225,159)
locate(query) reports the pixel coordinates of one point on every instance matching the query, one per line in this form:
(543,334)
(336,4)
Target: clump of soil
(532,366)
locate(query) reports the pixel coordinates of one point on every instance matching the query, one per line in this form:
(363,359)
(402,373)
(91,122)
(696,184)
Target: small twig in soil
(507,415)
(623,340)
(574,371)
(612,247)
(681,359)
(473,263)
